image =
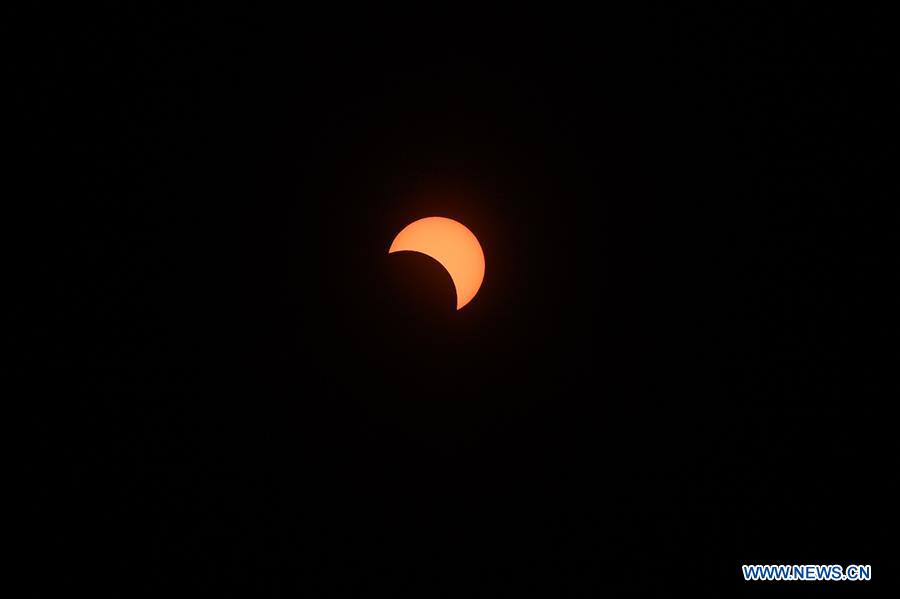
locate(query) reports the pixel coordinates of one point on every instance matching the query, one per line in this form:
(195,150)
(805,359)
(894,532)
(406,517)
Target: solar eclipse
(453,245)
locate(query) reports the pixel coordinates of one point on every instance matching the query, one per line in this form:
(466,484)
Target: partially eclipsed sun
(450,243)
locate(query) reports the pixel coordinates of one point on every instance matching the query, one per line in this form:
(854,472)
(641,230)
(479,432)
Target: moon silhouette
(453,245)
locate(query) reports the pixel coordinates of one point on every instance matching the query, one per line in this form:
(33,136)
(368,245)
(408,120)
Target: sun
(453,245)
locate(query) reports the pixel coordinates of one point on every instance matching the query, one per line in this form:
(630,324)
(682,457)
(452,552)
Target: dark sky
(678,361)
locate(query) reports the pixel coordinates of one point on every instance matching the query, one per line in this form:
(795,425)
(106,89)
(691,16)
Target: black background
(676,364)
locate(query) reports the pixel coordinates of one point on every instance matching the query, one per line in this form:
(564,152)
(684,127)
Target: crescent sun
(453,245)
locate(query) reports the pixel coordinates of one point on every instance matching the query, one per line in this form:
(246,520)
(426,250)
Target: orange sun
(450,243)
